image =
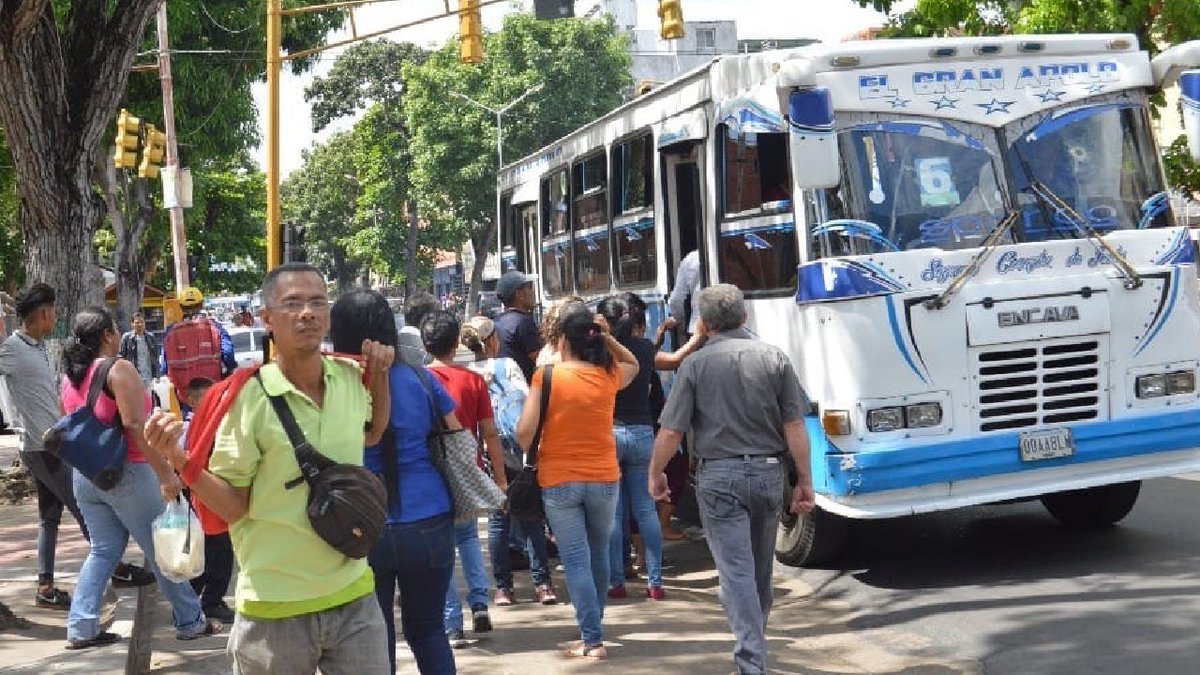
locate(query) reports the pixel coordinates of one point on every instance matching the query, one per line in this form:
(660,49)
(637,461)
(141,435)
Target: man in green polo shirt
(301,605)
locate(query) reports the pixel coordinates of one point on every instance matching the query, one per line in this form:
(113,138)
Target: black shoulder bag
(524,493)
(347,504)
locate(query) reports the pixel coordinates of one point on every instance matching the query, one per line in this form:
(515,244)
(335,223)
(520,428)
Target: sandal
(581,650)
(54,598)
(211,627)
(101,639)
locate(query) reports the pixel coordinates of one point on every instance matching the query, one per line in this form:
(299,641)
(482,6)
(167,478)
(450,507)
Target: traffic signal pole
(274,61)
(178,227)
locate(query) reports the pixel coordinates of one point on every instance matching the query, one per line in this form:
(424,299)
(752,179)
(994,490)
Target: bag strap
(100,380)
(547,378)
(309,469)
(498,374)
(439,424)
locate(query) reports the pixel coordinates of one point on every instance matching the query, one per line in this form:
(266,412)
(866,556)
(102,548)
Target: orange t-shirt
(577,440)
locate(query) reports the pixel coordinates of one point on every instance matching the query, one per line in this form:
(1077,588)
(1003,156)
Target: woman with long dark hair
(416,553)
(577,460)
(129,508)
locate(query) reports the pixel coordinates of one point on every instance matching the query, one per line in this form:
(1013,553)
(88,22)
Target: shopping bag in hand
(178,542)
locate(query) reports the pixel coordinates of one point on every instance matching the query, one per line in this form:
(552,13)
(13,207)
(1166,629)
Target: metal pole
(274,232)
(178,227)
(499,140)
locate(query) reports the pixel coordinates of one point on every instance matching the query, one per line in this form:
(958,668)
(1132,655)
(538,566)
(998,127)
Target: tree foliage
(584,67)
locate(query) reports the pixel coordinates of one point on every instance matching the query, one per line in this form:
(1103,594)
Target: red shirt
(470,393)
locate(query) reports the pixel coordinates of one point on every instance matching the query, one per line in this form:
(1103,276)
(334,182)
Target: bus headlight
(885,419)
(1181,382)
(921,415)
(1151,386)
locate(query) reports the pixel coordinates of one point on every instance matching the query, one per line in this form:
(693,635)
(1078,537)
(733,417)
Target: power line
(218,24)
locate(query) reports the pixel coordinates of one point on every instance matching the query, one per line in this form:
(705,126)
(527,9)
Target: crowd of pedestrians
(583,387)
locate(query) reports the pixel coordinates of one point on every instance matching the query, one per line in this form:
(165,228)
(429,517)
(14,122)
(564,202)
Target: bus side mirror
(1189,100)
(815,161)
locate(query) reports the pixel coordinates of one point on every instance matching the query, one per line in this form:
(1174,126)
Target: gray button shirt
(25,367)
(735,394)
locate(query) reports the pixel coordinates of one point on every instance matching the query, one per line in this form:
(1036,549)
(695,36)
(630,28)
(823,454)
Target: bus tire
(810,539)
(1095,507)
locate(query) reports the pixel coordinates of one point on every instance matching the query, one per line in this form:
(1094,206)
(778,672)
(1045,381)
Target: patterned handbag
(455,454)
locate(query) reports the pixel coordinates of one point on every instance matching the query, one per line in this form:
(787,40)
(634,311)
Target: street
(996,589)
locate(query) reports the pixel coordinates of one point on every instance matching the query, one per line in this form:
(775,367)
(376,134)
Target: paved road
(1004,589)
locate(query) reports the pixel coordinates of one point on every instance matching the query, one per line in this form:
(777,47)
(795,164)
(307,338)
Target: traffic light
(125,156)
(554,9)
(671,14)
(153,148)
(470,31)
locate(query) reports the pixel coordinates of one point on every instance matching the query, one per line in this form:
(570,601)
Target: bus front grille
(1043,383)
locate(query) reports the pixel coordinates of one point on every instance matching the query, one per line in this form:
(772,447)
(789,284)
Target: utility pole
(178,230)
(274,61)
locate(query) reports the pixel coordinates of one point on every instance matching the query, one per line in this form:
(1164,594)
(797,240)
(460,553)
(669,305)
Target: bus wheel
(810,539)
(1093,507)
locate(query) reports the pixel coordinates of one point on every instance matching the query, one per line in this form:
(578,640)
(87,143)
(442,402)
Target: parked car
(248,345)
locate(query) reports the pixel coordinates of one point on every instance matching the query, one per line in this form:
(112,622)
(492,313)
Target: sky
(827,20)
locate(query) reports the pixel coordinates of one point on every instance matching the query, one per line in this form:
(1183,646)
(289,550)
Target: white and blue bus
(965,245)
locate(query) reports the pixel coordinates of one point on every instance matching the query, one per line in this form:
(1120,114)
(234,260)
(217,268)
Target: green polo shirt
(285,569)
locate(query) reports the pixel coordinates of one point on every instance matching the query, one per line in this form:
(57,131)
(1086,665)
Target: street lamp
(499,113)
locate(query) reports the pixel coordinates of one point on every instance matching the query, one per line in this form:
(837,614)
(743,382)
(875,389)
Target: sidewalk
(686,633)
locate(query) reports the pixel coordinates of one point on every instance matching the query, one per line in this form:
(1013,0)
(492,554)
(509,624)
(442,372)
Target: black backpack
(347,504)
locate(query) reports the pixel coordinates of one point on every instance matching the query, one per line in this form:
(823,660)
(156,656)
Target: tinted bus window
(556,266)
(759,258)
(556,208)
(634,254)
(590,178)
(633,168)
(755,177)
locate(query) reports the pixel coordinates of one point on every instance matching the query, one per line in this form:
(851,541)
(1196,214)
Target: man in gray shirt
(743,401)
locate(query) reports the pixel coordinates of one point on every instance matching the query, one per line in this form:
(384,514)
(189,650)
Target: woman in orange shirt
(577,460)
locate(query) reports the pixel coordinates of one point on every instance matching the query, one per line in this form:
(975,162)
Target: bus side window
(756,177)
(557,255)
(592,258)
(633,240)
(760,258)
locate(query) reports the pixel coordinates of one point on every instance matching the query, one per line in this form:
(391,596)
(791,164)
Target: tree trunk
(410,254)
(129,225)
(342,270)
(481,240)
(60,81)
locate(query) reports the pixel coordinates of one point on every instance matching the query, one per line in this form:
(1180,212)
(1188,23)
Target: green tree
(584,67)
(320,198)
(64,67)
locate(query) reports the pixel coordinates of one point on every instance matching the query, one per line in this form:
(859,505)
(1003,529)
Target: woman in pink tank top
(130,507)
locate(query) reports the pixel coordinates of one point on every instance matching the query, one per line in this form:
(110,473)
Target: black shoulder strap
(100,380)
(305,452)
(547,377)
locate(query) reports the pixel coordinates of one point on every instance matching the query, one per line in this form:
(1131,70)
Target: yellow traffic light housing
(153,148)
(671,14)
(470,31)
(125,156)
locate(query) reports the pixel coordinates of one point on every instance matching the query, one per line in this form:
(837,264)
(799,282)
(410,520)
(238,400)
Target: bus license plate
(1047,444)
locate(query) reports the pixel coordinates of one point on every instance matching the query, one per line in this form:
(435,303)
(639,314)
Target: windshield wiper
(989,244)
(1057,204)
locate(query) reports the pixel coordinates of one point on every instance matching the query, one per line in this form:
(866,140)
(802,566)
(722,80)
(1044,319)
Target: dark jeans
(534,533)
(54,491)
(417,558)
(213,584)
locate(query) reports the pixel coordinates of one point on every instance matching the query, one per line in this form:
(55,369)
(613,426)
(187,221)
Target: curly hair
(551,328)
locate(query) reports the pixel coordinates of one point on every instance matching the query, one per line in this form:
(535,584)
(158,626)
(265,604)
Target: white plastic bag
(178,542)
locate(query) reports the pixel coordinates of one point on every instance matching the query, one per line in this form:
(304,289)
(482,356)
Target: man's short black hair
(272,278)
(439,332)
(198,384)
(418,307)
(137,315)
(34,298)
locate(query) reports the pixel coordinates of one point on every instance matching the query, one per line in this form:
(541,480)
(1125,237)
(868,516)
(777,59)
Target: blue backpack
(507,402)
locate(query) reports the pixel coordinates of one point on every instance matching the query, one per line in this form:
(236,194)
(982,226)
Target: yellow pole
(274,231)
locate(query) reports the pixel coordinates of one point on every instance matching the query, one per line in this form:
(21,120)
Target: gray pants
(740,500)
(54,491)
(346,640)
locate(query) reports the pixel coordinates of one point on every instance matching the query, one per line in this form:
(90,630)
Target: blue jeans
(112,516)
(581,516)
(470,555)
(635,445)
(417,557)
(499,531)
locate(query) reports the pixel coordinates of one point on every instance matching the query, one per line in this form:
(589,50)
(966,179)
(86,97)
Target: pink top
(106,408)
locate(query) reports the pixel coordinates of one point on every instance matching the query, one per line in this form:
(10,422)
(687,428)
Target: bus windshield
(1099,159)
(924,183)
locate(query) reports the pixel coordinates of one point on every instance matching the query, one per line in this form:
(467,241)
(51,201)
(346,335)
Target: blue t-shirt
(423,493)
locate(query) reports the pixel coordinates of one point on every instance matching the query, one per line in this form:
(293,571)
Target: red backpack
(193,349)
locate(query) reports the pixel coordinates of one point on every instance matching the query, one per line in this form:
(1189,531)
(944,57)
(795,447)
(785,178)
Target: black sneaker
(52,599)
(458,639)
(221,612)
(482,621)
(131,576)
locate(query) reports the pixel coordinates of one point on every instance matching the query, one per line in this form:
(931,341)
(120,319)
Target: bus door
(683,199)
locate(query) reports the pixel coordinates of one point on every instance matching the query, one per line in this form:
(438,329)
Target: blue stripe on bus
(900,465)
(1163,315)
(832,279)
(898,337)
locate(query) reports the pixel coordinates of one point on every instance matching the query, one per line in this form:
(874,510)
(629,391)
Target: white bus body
(848,189)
